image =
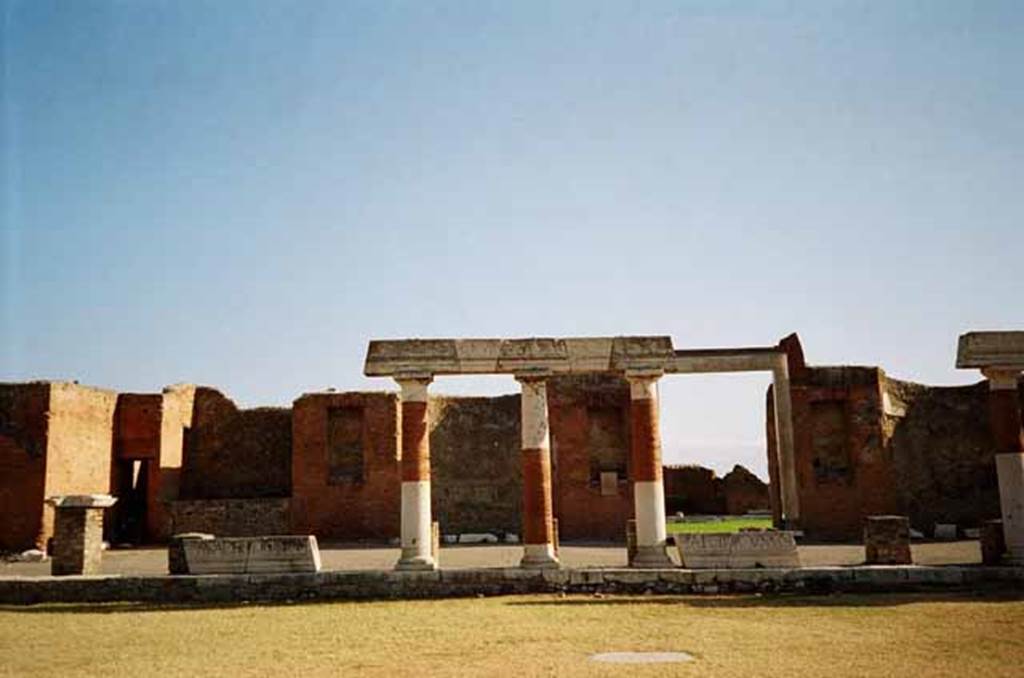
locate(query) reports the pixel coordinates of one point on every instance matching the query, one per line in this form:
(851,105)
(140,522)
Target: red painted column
(648,485)
(417,538)
(538,518)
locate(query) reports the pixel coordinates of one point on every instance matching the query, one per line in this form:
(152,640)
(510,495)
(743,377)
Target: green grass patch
(726,525)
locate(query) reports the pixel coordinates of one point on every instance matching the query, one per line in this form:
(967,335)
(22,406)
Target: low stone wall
(231,517)
(379,585)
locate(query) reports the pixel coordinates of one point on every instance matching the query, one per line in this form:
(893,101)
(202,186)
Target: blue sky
(242,194)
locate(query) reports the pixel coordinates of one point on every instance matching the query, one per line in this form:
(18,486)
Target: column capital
(642,383)
(414,386)
(1001,378)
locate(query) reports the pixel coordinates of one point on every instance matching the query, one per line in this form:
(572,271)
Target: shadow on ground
(724,602)
(779,600)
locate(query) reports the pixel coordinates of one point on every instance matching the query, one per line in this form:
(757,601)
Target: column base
(415,562)
(652,557)
(539,557)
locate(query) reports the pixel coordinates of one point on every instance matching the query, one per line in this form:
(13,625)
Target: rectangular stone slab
(252,555)
(734,551)
(991,349)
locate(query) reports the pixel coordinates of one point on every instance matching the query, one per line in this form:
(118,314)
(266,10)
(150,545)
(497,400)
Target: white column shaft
(649,503)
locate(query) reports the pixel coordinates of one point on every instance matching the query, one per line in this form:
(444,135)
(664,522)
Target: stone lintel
(725,360)
(542,355)
(991,349)
(81,501)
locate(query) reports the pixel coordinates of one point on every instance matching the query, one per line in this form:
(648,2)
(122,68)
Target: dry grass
(897,635)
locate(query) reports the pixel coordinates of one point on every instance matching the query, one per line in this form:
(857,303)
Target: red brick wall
(580,411)
(22,464)
(137,426)
(366,508)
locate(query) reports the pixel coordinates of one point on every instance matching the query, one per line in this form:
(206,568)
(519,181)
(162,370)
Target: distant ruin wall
(232,453)
(231,517)
(476,469)
(698,490)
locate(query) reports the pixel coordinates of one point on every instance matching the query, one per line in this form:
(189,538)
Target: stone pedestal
(78,533)
(887,540)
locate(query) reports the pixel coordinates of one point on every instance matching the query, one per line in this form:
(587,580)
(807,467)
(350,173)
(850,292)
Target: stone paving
(153,561)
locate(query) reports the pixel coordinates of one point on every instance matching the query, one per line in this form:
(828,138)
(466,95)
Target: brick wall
(943,453)
(230,517)
(476,465)
(333,495)
(22,464)
(233,453)
(589,418)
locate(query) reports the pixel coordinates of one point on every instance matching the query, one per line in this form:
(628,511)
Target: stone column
(538,514)
(784,445)
(417,537)
(78,533)
(1005,417)
(648,488)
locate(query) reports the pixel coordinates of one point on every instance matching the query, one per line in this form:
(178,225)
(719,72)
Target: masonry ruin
(334,465)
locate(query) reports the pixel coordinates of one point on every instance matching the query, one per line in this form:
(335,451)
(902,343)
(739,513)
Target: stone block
(176,562)
(251,555)
(887,540)
(742,550)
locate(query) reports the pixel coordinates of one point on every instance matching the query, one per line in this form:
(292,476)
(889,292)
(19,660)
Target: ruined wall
(232,453)
(230,517)
(177,403)
(79,443)
(866,444)
(476,469)
(345,482)
(590,435)
(23,410)
(943,453)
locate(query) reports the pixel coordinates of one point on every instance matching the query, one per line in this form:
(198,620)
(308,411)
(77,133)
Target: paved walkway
(153,561)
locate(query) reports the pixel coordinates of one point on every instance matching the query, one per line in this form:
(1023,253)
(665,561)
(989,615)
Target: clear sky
(241,194)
